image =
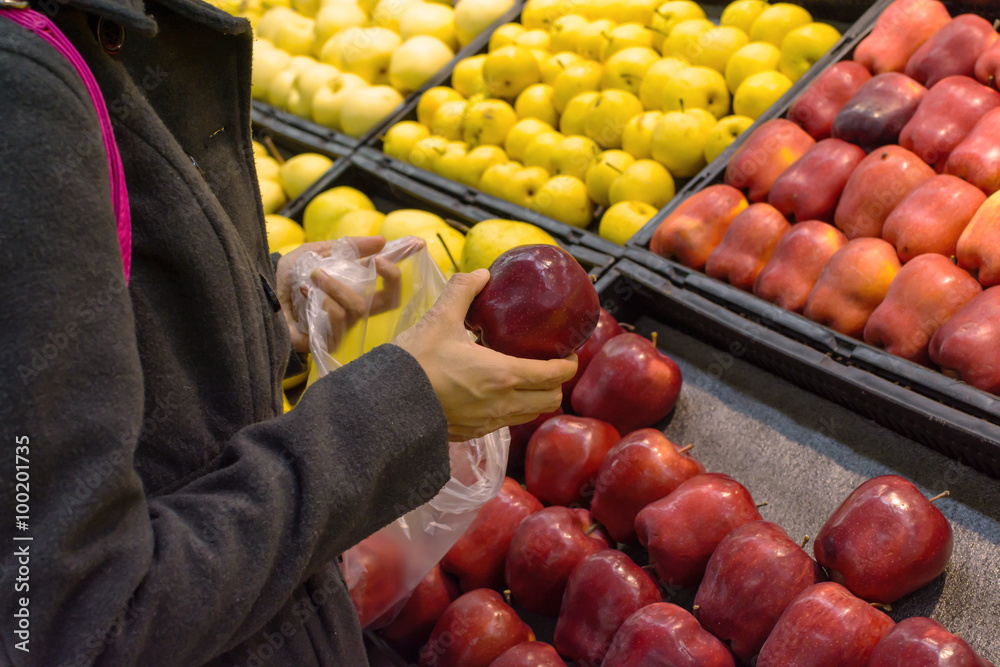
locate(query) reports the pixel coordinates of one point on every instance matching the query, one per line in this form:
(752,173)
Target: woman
(174,518)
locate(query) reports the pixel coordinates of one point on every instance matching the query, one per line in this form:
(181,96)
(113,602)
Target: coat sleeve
(116,577)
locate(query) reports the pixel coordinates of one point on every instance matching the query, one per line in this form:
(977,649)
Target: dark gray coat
(176,519)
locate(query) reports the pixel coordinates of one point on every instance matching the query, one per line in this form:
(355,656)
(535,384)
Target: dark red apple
(885,540)
(753,575)
(607,328)
(545,549)
(538,304)
(564,456)
(474,631)
(664,634)
(519,437)
(602,592)
(374,570)
(629,384)
(477,559)
(682,530)
(923,642)
(643,467)
(416,619)
(825,626)
(529,654)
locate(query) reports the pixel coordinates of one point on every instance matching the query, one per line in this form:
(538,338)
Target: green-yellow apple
(474,16)
(554,65)
(282,231)
(646,181)
(429,19)
(777,21)
(523,184)
(573,156)
(697,88)
(638,135)
(626,69)
(669,14)
(365,52)
(541,14)
(310,80)
(638,11)
(564,198)
(400,139)
(267,168)
(407,222)
(626,36)
(535,101)
(306,7)
(365,108)
(296,35)
(267,64)
(683,39)
(717,46)
(281,88)
(533,39)
(679,141)
(449,164)
(448,119)
(301,171)
(386,13)
(724,133)
(271,20)
(489,239)
(426,151)
(431,100)
(742,13)
(328,101)
(754,58)
(657,76)
(505,35)
(259,149)
(477,161)
(359,222)
(521,135)
(574,116)
(488,122)
(622,220)
(565,34)
(333,18)
(540,150)
(579,78)
(494,180)
(272,197)
(608,166)
(467,77)
(453,239)
(608,115)
(326,208)
(758,92)
(541,57)
(509,70)
(803,46)
(593,38)
(416,61)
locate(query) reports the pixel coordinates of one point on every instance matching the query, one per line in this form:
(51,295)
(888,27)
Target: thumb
(454,302)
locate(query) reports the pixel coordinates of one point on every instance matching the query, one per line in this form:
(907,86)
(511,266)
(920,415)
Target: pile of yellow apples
(346,64)
(599,105)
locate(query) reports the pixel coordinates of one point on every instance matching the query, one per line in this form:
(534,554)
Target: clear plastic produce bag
(382,570)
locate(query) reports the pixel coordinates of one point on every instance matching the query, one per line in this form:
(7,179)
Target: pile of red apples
(874,207)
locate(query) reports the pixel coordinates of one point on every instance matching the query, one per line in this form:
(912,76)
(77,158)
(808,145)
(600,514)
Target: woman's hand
(480,390)
(342,305)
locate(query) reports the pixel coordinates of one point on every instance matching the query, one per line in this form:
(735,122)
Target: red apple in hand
(644,466)
(564,456)
(754,574)
(922,642)
(529,654)
(825,626)
(520,435)
(607,328)
(545,549)
(885,540)
(630,384)
(602,592)
(416,619)
(474,631)
(477,559)
(682,530)
(538,304)
(664,634)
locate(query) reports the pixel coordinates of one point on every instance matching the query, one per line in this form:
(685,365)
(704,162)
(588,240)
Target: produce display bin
(390,191)
(303,136)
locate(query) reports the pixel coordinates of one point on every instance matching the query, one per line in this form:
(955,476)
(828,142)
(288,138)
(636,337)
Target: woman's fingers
(355,305)
(367,245)
(387,298)
(532,374)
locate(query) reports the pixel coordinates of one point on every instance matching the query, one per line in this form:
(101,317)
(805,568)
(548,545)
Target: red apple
(682,530)
(816,108)
(529,654)
(629,384)
(811,187)
(747,245)
(825,626)
(753,575)
(374,570)
(545,549)
(602,592)
(664,634)
(878,111)
(885,541)
(418,616)
(643,467)
(899,32)
(607,328)
(520,435)
(922,642)
(770,150)
(477,559)
(977,158)
(538,304)
(796,263)
(474,631)
(953,50)
(965,347)
(564,456)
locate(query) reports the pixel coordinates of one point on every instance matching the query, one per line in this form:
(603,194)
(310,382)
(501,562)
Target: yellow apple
(407,222)
(536,102)
(638,135)
(646,181)
(626,36)
(573,156)
(489,239)
(638,11)
(565,33)
(505,35)
(574,116)
(477,161)
(724,133)
(365,108)
(521,135)
(669,14)
(523,184)
(426,151)
(679,141)
(608,166)
(541,14)
(431,100)
(622,220)
(301,171)
(333,18)
(271,20)
(429,19)
(328,101)
(594,37)
(449,164)
(296,35)
(554,65)
(359,222)
(327,207)
(453,239)
(306,7)
(697,87)
(308,82)
(533,39)
(742,13)
(626,69)
(683,40)
(803,46)
(416,61)
(655,80)
(494,180)
(717,46)
(758,92)
(509,70)
(272,197)
(752,59)
(267,168)
(259,149)
(402,138)
(777,21)
(467,77)
(579,78)
(281,87)
(595,10)
(282,231)
(564,198)
(365,52)
(474,16)
(387,13)
(540,150)
(448,119)
(608,115)
(541,57)
(267,64)
(488,122)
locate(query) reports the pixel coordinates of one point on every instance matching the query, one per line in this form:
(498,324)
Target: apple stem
(882,607)
(465,229)
(695,609)
(506,596)
(649,567)
(763,504)
(446,251)
(272,149)
(805,541)
(593,278)
(626,326)
(652,337)
(940,496)
(686,448)
(590,529)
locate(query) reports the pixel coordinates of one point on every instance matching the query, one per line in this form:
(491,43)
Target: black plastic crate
(390,191)
(299,134)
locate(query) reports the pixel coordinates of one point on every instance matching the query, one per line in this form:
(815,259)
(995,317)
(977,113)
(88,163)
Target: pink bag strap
(47,30)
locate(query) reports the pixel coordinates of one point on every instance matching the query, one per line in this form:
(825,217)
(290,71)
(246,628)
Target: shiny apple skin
(607,328)
(416,620)
(665,634)
(474,631)
(529,654)
(520,436)
(564,456)
(923,642)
